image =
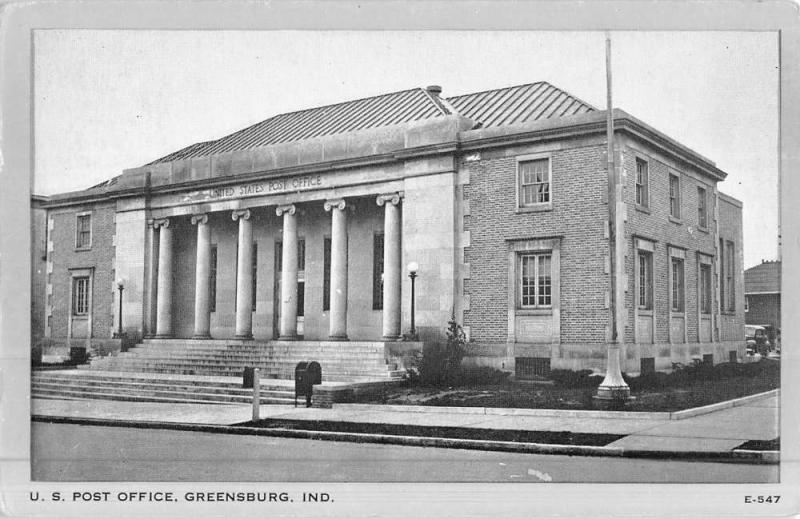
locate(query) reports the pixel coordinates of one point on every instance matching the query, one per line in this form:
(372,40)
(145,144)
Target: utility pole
(613,387)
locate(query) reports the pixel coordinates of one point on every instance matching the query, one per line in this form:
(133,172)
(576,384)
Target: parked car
(757,339)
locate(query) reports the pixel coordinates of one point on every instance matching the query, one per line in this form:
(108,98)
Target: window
(675,196)
(255,274)
(534,182)
(83,238)
(702,208)
(746,304)
(301,255)
(677,285)
(705,289)
(80,296)
(326,275)
(301,298)
(377,272)
(642,188)
(729,280)
(645,287)
(212,290)
(535,280)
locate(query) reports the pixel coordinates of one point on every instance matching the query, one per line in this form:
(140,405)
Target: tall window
(729,280)
(677,285)
(80,296)
(642,188)
(83,238)
(534,182)
(301,255)
(535,280)
(255,274)
(675,196)
(326,275)
(212,289)
(645,274)
(702,208)
(705,289)
(377,272)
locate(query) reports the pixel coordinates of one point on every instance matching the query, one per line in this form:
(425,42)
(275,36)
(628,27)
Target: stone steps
(87,385)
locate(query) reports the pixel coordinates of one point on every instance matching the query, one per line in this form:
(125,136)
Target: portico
(287,268)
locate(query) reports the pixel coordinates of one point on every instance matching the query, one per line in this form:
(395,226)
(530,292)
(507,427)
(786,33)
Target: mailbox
(306,374)
(247,378)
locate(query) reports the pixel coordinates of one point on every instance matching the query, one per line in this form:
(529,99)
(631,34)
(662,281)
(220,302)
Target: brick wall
(731,324)
(655,224)
(764,309)
(38,273)
(100,257)
(578,215)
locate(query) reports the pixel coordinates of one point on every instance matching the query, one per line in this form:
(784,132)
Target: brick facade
(99,258)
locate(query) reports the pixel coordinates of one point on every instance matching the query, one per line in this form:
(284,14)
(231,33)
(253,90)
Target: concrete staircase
(149,387)
(349,361)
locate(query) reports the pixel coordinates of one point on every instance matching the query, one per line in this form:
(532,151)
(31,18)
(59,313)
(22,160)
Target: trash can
(247,378)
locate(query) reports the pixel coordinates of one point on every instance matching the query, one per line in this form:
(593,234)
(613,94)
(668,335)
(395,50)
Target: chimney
(434,90)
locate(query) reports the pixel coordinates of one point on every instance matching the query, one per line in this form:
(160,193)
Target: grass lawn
(685,388)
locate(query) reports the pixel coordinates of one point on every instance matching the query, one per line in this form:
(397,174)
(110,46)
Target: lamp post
(120,287)
(413,267)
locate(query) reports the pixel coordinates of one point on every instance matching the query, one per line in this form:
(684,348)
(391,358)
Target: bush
(481,376)
(575,379)
(441,366)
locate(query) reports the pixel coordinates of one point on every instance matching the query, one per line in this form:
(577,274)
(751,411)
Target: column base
(163,336)
(338,338)
(247,337)
(392,338)
(201,336)
(288,337)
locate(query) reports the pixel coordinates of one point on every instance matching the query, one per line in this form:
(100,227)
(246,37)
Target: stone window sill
(643,209)
(703,229)
(646,312)
(534,311)
(675,220)
(535,208)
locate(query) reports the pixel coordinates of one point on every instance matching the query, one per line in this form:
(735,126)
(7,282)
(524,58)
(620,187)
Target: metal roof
(511,105)
(518,104)
(764,278)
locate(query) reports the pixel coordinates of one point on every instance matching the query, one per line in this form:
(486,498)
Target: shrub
(481,376)
(575,379)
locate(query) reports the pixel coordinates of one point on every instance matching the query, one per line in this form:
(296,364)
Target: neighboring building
(762,292)
(299,227)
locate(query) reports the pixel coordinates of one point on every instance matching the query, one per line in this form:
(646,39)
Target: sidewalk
(715,434)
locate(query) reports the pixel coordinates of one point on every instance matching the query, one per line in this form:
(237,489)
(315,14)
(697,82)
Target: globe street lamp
(413,267)
(120,287)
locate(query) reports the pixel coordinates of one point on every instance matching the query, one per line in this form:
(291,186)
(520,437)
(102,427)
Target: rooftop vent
(434,90)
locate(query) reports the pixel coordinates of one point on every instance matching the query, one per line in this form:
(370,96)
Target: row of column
(288,297)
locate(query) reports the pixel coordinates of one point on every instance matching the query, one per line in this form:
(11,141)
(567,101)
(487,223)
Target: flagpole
(613,388)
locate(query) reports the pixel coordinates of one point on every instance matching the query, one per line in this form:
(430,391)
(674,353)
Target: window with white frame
(535,280)
(642,183)
(80,296)
(678,290)
(674,196)
(645,280)
(702,208)
(83,234)
(705,288)
(534,182)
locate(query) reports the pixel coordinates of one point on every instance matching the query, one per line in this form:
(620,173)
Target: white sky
(110,100)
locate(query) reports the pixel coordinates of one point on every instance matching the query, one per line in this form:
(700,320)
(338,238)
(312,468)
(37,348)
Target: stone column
(289,273)
(244,276)
(338,291)
(164,295)
(202,278)
(152,277)
(391,265)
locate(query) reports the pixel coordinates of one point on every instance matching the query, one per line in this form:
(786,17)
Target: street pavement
(718,431)
(70,452)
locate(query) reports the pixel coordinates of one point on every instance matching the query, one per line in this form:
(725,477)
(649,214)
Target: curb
(561,413)
(748,456)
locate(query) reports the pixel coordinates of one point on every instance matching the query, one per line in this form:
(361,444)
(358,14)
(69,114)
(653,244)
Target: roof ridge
(334,104)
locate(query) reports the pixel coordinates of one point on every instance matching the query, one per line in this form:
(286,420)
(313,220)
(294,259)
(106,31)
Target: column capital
(150,223)
(288,208)
(199,218)
(338,203)
(392,198)
(244,214)
(163,223)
